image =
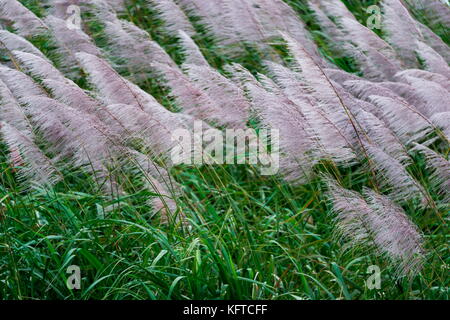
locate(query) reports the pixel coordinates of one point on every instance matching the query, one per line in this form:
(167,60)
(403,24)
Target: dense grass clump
(250,238)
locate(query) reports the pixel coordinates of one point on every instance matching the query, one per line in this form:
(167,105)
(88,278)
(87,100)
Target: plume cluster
(373,220)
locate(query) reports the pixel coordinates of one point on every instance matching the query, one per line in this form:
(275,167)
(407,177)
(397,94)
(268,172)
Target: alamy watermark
(74,280)
(374,20)
(73,21)
(234,146)
(374,280)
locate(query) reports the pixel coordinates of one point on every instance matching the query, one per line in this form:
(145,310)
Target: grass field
(249,236)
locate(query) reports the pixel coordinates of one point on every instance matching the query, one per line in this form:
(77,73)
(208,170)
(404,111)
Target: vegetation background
(250,237)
